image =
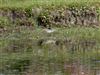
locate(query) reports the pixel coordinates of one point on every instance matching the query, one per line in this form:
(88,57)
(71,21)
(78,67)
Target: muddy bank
(51,17)
(68,17)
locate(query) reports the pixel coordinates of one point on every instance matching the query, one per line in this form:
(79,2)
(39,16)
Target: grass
(21,51)
(44,55)
(28,3)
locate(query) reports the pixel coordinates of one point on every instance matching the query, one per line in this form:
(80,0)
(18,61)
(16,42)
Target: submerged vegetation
(30,46)
(23,51)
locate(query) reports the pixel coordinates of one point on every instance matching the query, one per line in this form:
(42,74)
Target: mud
(62,17)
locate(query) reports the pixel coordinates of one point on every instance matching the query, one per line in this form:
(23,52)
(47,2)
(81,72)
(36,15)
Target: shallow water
(2,74)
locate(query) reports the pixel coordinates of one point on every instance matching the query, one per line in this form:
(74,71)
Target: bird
(49,30)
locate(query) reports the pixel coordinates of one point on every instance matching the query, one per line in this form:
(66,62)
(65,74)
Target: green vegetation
(21,50)
(28,3)
(27,49)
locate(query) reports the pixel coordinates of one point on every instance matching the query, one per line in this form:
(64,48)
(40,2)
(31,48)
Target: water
(2,74)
